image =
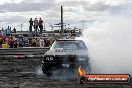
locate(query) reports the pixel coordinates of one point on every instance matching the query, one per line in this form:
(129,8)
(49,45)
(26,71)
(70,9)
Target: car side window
(81,45)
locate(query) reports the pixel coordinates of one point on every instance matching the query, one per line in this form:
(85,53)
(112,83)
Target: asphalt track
(24,73)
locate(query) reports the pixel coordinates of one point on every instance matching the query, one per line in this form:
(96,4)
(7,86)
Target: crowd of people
(21,41)
(9,40)
(36,24)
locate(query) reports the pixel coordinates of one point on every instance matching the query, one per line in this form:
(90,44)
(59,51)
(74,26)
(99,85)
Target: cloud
(14,19)
(26,6)
(99,6)
(49,10)
(124,9)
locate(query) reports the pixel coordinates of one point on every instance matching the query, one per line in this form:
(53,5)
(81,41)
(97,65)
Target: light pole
(62,29)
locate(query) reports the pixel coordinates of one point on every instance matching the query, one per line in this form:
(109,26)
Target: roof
(66,39)
(71,39)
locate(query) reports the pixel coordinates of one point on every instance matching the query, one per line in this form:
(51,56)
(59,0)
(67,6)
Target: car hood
(67,52)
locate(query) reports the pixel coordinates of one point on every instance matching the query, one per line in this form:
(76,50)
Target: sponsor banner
(107,78)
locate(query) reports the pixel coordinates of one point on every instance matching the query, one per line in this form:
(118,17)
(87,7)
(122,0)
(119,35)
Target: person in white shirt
(42,43)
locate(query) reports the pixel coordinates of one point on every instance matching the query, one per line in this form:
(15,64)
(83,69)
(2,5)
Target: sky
(17,12)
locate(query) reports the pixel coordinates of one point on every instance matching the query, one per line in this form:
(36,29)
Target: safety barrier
(22,52)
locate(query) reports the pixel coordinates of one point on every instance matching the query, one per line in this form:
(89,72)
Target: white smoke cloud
(110,44)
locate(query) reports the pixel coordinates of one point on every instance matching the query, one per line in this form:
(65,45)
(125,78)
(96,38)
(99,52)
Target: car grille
(61,59)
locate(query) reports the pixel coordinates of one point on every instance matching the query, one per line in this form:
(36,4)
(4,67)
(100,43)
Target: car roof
(68,40)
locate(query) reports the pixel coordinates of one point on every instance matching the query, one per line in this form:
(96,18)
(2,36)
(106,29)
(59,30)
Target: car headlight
(49,59)
(82,59)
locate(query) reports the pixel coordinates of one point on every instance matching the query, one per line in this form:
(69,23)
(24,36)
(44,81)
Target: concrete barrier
(22,52)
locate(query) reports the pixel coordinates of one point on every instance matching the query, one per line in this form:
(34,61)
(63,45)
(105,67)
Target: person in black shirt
(30,25)
(41,25)
(15,44)
(36,23)
(34,43)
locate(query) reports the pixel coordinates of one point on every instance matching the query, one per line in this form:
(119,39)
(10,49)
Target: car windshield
(69,44)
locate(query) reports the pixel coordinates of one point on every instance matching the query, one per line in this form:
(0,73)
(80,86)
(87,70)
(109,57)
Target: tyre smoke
(110,45)
(39,72)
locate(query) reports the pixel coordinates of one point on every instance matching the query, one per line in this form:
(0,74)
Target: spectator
(30,42)
(26,43)
(35,26)
(30,25)
(5,45)
(47,43)
(7,39)
(5,32)
(1,40)
(2,32)
(41,25)
(14,30)
(8,31)
(15,44)
(21,41)
(11,42)
(37,42)
(42,44)
(34,43)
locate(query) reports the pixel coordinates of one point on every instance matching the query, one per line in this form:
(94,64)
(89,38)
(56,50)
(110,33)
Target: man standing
(41,25)
(30,25)
(35,26)
(8,31)
(2,32)
(14,30)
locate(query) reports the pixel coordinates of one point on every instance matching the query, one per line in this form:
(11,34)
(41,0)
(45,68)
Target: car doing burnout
(66,54)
